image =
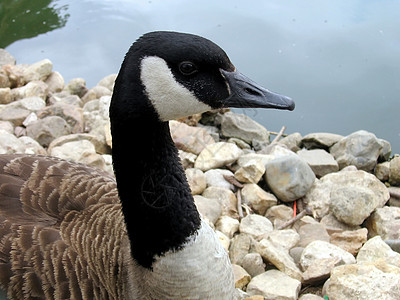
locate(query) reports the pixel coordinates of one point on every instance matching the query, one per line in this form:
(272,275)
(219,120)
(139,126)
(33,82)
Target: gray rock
(217,155)
(319,250)
(253,264)
(65,97)
(385,222)
(6,58)
(333,225)
(196,180)
(241,245)
(394,171)
(386,150)
(255,225)
(70,113)
(364,282)
(320,140)
(274,284)
(46,130)
(319,270)
(360,149)
(215,177)
(76,86)
(312,232)
(55,82)
(243,127)
(292,141)
(258,199)
(5,95)
(9,143)
(289,177)
(14,115)
(320,161)
(208,208)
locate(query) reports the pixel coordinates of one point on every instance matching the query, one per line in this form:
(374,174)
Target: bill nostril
(252,92)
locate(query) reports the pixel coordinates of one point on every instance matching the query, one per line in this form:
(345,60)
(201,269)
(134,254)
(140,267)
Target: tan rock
(241,277)
(217,155)
(258,199)
(227,225)
(208,208)
(251,172)
(255,225)
(279,214)
(350,241)
(312,232)
(196,180)
(385,222)
(319,270)
(226,199)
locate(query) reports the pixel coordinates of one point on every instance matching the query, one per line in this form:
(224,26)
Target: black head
(182,74)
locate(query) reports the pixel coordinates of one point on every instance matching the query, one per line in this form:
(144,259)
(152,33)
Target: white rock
(217,155)
(32,146)
(319,250)
(38,71)
(251,172)
(274,284)
(33,104)
(227,225)
(32,89)
(9,143)
(55,82)
(245,158)
(196,180)
(255,225)
(385,222)
(376,249)
(258,199)
(215,177)
(226,198)
(108,81)
(46,130)
(286,239)
(322,140)
(208,208)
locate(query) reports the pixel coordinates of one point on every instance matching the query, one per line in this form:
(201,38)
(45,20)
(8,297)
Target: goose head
(182,74)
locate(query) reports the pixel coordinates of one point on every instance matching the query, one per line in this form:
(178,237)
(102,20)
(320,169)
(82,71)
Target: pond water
(339,60)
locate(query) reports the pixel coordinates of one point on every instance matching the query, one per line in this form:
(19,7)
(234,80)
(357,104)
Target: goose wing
(61,229)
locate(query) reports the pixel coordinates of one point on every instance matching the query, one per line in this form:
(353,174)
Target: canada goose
(69,231)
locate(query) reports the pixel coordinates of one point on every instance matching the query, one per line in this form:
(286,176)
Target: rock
(376,249)
(310,297)
(6,58)
(285,239)
(33,104)
(333,225)
(96,116)
(306,220)
(108,81)
(292,141)
(385,222)
(9,143)
(31,146)
(46,130)
(64,97)
(319,270)
(55,82)
(241,245)
(289,177)
(96,93)
(253,264)
(320,140)
(360,149)
(217,155)
(223,239)
(350,241)
(215,177)
(279,257)
(274,284)
(188,138)
(243,127)
(80,151)
(319,196)
(255,225)
(258,199)
(5,95)
(246,158)
(382,171)
(14,115)
(386,150)
(70,113)
(276,150)
(7,126)
(251,172)
(312,232)
(320,161)
(187,159)
(196,180)
(394,196)
(226,198)
(227,225)
(242,278)
(363,282)
(208,208)
(240,143)
(295,253)
(15,75)
(394,171)
(38,71)
(279,214)
(319,250)
(97,143)
(4,81)
(76,86)
(32,89)
(352,205)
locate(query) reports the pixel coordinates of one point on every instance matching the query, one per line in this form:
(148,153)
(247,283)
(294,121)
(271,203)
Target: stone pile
(345,188)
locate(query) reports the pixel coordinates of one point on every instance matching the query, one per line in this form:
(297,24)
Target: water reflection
(21,19)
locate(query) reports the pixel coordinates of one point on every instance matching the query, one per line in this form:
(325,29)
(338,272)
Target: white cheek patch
(170,99)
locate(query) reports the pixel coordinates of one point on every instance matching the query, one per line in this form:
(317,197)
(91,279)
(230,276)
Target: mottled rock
(394,171)
(14,115)
(32,89)
(255,225)
(208,208)
(38,71)
(241,277)
(319,250)
(253,264)
(258,199)
(360,149)
(279,214)
(64,97)
(226,198)
(320,161)
(108,81)
(385,222)
(188,138)
(187,159)
(55,82)
(243,127)
(31,146)
(76,86)
(364,282)
(215,177)
(279,257)
(9,143)
(382,171)
(292,141)
(274,284)
(251,172)
(217,155)
(227,225)
(4,81)
(350,241)
(319,270)
(376,249)
(289,177)
(320,140)
(70,113)
(96,116)
(5,95)
(196,180)
(241,245)
(6,58)
(312,232)
(46,130)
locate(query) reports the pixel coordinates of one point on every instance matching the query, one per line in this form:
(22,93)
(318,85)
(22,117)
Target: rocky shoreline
(303,217)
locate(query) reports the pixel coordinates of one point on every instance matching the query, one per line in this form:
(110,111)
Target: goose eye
(187,68)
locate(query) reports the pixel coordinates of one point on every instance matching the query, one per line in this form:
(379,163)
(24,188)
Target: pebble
(217,155)
(376,249)
(251,172)
(215,177)
(241,277)
(255,225)
(258,199)
(208,208)
(196,180)
(253,264)
(227,225)
(225,197)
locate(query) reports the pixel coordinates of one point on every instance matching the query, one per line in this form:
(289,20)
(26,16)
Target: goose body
(68,231)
